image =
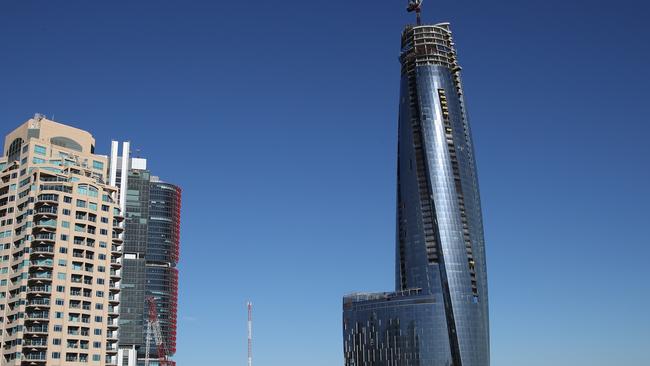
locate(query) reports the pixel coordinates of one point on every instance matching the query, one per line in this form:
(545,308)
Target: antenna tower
(249,305)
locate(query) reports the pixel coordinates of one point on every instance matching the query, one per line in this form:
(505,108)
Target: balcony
(46,210)
(36,356)
(48,198)
(45,224)
(36,329)
(39,315)
(44,236)
(38,303)
(42,263)
(44,250)
(35,342)
(39,289)
(116,250)
(40,276)
(111,349)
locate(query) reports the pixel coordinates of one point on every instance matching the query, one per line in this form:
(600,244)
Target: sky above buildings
(279,120)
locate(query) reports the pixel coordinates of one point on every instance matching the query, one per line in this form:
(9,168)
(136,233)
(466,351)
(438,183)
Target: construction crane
(415,6)
(155,334)
(249,305)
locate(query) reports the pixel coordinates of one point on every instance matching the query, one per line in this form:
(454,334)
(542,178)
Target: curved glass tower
(438,314)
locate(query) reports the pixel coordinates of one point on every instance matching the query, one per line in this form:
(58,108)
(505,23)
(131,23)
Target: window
(62,262)
(63,250)
(58,328)
(81,203)
(98,165)
(64,237)
(65,224)
(56,341)
(97,357)
(60,276)
(100,293)
(66,212)
(104,220)
(98,332)
(60,302)
(87,190)
(105,208)
(99,319)
(40,150)
(56,354)
(67,199)
(92,206)
(38,161)
(60,288)
(59,315)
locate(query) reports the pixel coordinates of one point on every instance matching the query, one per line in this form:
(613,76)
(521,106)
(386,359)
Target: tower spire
(415,6)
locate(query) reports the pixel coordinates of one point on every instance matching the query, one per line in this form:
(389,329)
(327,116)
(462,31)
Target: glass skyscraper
(438,314)
(151,254)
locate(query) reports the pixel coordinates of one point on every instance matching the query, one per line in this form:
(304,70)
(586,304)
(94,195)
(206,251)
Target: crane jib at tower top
(415,6)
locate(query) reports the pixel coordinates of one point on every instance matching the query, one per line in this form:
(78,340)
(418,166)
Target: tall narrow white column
(125,175)
(113,174)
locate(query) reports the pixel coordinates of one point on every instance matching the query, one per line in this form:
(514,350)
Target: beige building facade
(60,248)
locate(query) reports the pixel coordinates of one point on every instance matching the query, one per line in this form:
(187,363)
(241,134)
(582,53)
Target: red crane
(154,334)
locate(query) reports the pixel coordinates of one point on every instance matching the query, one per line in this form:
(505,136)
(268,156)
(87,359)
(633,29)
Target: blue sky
(279,120)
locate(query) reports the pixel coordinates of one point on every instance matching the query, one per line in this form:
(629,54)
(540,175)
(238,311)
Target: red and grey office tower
(151,254)
(438,314)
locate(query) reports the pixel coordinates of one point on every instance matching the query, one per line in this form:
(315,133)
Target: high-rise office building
(151,253)
(438,314)
(60,249)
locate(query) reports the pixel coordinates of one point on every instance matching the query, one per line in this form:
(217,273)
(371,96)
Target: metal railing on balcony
(42,356)
(38,302)
(35,342)
(40,276)
(45,236)
(36,329)
(46,210)
(48,249)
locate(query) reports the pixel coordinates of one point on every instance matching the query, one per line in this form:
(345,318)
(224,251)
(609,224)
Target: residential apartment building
(60,248)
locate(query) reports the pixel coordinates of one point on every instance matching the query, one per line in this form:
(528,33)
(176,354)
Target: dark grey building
(151,253)
(438,314)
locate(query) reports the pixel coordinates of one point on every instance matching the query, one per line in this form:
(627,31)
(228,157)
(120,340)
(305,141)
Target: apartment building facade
(60,248)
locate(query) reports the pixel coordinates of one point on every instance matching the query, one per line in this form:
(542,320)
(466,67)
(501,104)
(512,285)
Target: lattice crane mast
(155,334)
